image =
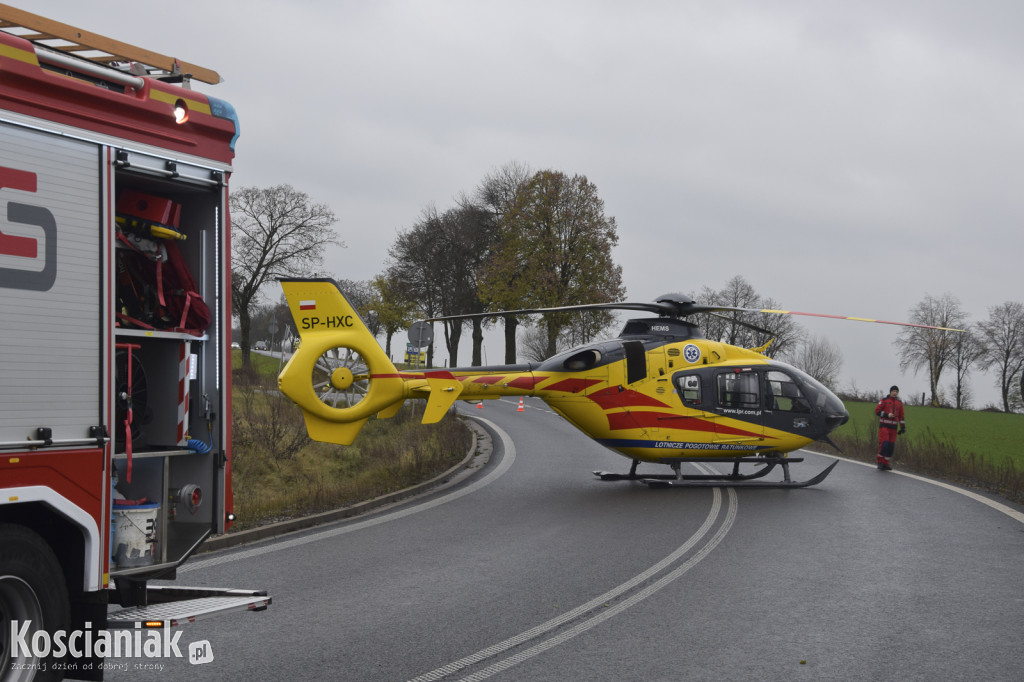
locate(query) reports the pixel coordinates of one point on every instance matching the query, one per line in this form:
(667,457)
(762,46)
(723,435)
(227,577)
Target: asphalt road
(535,570)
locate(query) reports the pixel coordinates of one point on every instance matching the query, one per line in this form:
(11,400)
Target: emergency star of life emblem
(691,353)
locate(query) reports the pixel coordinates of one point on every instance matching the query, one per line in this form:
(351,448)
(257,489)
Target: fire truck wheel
(32,588)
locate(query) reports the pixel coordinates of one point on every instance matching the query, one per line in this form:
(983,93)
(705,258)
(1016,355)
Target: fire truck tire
(32,588)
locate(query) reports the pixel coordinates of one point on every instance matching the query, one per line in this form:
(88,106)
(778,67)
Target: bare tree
(728,327)
(533,344)
(1001,337)
(276,232)
(412,267)
(820,358)
(364,298)
(438,262)
(498,190)
(966,350)
(931,349)
(780,332)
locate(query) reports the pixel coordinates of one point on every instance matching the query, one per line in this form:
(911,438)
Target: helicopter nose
(834,420)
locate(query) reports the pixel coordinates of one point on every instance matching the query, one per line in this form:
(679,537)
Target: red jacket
(890,412)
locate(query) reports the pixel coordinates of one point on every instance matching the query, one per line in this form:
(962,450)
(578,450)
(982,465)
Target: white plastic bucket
(134,534)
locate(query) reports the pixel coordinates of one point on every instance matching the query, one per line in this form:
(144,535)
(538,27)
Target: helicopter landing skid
(734,479)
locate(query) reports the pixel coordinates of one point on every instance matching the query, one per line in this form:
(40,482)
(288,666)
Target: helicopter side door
(736,403)
(729,402)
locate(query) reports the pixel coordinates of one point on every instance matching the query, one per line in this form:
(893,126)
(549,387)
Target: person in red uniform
(890,422)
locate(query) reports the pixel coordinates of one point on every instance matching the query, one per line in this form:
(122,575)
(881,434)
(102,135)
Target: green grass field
(997,436)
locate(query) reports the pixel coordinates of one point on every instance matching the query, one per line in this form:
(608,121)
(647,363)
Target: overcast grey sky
(844,157)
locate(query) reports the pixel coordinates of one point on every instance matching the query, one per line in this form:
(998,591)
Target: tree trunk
(552,334)
(244,323)
(478,341)
(510,339)
(452,338)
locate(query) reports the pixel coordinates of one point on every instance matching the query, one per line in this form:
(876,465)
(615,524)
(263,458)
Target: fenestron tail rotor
(341,377)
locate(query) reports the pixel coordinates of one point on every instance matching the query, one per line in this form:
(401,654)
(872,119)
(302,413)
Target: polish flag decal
(307,305)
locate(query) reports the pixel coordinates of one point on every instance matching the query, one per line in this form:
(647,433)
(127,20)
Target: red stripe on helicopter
(572,385)
(621,421)
(618,421)
(613,397)
(525,382)
(487,380)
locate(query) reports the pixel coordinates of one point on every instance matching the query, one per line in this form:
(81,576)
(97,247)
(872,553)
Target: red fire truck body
(115,335)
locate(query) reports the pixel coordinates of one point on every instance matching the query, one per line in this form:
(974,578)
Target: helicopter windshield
(819,396)
(782,393)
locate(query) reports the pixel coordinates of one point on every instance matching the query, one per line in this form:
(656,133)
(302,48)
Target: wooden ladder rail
(79,41)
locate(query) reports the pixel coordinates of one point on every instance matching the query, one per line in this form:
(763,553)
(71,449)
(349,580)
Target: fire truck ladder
(72,47)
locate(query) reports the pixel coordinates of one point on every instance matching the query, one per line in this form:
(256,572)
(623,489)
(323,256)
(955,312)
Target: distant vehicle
(235,344)
(260,345)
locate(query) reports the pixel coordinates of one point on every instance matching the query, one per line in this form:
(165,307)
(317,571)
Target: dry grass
(279,473)
(936,457)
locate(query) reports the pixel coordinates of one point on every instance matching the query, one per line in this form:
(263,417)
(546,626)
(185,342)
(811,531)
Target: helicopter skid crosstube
(734,479)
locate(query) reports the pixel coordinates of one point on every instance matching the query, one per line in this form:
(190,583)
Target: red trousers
(886,444)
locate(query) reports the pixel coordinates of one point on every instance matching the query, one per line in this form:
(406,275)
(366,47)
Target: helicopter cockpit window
(739,390)
(688,386)
(783,394)
(582,360)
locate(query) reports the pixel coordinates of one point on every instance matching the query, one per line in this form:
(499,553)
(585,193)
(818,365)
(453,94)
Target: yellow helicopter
(660,392)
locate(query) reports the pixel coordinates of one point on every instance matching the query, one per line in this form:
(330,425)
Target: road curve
(535,570)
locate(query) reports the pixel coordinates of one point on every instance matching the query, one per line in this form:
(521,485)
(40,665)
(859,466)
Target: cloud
(845,158)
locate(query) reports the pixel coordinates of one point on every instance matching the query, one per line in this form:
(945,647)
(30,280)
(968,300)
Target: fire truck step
(182,611)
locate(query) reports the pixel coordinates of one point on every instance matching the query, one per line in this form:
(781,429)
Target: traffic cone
(480,406)
(520,408)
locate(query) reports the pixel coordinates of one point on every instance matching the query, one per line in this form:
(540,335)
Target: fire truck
(115,338)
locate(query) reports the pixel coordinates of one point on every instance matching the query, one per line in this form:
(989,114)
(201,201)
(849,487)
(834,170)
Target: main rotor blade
(668,306)
(643,307)
(857,319)
(675,306)
(742,323)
